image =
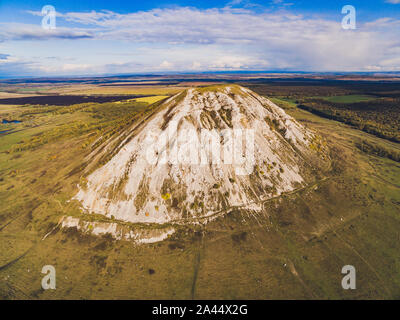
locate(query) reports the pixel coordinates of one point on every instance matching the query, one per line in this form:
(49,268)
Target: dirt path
(4,266)
(364,260)
(197,267)
(196,272)
(376,174)
(262,202)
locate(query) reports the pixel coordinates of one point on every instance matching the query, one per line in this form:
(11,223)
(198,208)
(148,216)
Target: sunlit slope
(165,171)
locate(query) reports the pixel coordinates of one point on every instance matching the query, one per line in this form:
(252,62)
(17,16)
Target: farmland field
(65,100)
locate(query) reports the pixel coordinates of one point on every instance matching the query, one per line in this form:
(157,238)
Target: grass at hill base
(294,249)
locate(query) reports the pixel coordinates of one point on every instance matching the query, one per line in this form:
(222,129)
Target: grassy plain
(294,249)
(150,100)
(350,98)
(142,90)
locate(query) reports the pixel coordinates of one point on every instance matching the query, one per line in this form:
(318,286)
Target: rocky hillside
(203,152)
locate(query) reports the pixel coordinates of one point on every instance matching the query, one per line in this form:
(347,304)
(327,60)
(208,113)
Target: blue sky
(112,37)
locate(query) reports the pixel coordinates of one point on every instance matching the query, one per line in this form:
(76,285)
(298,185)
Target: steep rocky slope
(203,152)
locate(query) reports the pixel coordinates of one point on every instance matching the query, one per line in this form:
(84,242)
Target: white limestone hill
(163,170)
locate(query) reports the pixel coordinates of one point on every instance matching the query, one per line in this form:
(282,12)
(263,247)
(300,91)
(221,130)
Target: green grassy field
(294,249)
(284,103)
(351,98)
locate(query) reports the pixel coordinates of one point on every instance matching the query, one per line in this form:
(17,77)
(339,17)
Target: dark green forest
(371,106)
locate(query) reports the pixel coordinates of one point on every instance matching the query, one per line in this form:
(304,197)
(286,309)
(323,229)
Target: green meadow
(294,249)
(351,98)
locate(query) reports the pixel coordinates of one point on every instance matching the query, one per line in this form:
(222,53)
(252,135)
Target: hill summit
(202,152)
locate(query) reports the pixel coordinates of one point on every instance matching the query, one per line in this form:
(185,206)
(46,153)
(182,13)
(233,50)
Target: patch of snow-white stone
(142,180)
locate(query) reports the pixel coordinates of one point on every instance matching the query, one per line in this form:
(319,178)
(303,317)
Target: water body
(4,121)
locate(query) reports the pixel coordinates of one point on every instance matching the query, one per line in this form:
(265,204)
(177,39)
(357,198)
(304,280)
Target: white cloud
(393,1)
(236,63)
(196,65)
(21,31)
(166,65)
(229,39)
(67,68)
